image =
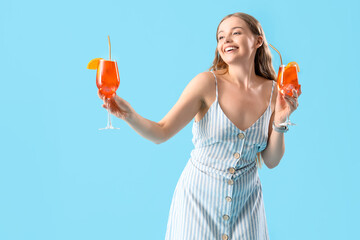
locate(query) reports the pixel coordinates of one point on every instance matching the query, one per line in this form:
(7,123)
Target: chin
(233,60)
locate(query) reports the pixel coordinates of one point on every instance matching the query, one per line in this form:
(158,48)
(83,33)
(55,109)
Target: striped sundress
(219,193)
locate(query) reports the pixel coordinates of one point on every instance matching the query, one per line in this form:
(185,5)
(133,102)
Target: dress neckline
(216,102)
(231,122)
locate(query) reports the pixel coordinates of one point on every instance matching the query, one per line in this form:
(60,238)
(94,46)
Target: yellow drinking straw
(275,50)
(109,47)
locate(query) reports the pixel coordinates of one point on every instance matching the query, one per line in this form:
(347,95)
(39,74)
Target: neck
(243,75)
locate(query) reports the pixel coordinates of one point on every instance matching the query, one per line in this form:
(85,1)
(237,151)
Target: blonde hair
(263,58)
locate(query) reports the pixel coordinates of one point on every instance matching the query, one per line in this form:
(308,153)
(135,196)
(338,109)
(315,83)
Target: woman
(237,110)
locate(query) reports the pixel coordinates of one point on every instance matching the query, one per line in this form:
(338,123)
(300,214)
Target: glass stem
(109,118)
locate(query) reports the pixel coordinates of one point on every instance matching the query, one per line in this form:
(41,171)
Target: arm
(275,149)
(188,105)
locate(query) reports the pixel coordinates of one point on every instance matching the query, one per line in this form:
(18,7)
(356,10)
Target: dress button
(232,170)
(225,237)
(228,199)
(226,217)
(237,155)
(230,182)
(241,136)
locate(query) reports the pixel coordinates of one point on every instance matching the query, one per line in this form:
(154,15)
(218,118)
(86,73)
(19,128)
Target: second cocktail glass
(287,81)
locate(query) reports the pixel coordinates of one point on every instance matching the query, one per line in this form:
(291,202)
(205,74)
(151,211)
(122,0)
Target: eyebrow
(231,29)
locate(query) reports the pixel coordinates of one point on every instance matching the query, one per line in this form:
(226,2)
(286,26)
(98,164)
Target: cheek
(219,52)
(218,49)
(249,42)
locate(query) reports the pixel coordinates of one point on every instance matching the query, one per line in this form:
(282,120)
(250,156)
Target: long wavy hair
(263,58)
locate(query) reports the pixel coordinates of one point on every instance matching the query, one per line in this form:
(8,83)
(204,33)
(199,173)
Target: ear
(259,41)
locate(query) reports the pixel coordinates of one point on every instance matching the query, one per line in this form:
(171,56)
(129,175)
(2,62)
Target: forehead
(232,22)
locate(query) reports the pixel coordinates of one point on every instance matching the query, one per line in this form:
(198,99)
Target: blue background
(62,178)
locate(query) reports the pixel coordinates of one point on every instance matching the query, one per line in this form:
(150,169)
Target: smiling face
(236,42)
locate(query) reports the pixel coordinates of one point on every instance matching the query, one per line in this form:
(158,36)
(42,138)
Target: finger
(296,103)
(293,104)
(101,96)
(113,107)
(290,101)
(295,93)
(111,100)
(290,98)
(122,115)
(113,96)
(107,101)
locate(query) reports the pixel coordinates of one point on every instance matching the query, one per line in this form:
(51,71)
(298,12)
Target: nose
(228,38)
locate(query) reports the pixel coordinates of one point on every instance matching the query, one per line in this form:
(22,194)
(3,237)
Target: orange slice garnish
(294,64)
(94,63)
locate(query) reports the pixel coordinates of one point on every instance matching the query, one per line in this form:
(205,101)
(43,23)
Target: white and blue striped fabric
(219,193)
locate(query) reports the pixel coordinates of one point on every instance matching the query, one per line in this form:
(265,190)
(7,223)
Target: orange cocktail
(107,77)
(287,79)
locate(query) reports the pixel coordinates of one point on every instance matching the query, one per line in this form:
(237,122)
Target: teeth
(229,49)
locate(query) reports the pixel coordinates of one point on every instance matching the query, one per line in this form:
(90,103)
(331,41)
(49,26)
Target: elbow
(160,140)
(272,163)
(271,166)
(163,136)
(272,160)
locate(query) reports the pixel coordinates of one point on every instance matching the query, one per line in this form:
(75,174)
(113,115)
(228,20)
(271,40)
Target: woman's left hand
(285,106)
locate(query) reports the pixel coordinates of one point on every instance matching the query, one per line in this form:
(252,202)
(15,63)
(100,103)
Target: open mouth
(230,49)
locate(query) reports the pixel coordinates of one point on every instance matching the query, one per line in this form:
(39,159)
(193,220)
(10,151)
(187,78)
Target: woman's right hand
(117,106)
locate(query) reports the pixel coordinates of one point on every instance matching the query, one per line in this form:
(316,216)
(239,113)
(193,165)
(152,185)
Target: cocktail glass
(287,80)
(108,81)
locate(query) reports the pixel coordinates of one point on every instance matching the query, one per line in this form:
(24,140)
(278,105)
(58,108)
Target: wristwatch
(282,129)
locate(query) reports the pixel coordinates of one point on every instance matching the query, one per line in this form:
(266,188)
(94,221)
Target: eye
(221,37)
(237,33)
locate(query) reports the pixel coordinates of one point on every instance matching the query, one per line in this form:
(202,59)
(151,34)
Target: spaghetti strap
(215,84)
(272,90)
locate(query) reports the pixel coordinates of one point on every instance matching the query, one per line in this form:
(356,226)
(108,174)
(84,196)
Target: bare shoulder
(265,83)
(204,79)
(204,83)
